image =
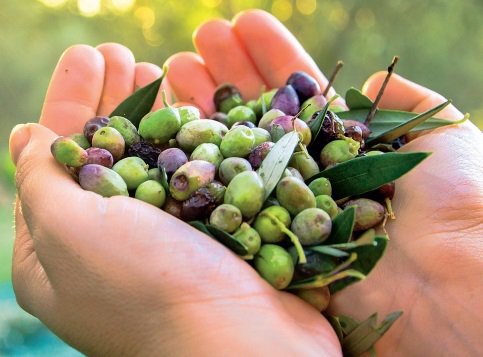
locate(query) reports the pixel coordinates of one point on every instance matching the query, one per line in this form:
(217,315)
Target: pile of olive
(206,170)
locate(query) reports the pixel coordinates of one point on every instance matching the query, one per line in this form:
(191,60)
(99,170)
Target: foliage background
(439,42)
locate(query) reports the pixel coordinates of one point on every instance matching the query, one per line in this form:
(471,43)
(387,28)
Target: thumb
(402,94)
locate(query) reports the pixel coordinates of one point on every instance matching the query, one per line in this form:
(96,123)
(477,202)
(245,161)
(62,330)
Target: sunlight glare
(89,8)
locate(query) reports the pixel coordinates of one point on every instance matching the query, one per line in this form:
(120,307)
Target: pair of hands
(117,276)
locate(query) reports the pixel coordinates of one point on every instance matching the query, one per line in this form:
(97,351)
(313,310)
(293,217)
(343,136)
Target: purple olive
(288,123)
(172,159)
(286,100)
(94,124)
(99,156)
(259,153)
(305,85)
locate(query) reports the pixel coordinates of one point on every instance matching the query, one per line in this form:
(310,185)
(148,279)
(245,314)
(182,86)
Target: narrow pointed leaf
(316,124)
(276,161)
(364,174)
(403,128)
(334,322)
(201,227)
(319,281)
(385,120)
(228,240)
(348,324)
(356,100)
(367,238)
(164,179)
(367,258)
(342,227)
(366,334)
(139,103)
(333,252)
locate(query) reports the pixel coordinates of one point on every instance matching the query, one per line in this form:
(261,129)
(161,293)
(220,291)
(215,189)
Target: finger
(118,76)
(402,94)
(274,50)
(190,80)
(30,282)
(74,91)
(147,73)
(226,59)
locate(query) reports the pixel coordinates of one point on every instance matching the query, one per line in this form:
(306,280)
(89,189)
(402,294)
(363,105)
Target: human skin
(117,276)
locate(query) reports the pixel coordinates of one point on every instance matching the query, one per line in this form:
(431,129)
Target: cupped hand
(116,276)
(432,267)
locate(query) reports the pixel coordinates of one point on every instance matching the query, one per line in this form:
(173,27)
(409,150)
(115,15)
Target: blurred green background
(439,42)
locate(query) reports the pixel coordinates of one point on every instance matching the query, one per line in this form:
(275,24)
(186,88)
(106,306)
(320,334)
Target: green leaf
(333,252)
(316,124)
(276,161)
(164,179)
(403,128)
(228,240)
(334,322)
(365,335)
(140,102)
(201,227)
(342,227)
(339,272)
(367,238)
(385,120)
(356,100)
(367,258)
(318,281)
(348,324)
(366,173)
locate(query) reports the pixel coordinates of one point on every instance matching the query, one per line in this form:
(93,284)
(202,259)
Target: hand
(116,276)
(431,269)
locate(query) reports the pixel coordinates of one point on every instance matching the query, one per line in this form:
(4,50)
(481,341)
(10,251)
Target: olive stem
(165,99)
(373,110)
(389,208)
(295,240)
(336,70)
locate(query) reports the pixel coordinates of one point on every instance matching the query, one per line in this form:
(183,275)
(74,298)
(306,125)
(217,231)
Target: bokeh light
(89,8)
(306,7)
(282,9)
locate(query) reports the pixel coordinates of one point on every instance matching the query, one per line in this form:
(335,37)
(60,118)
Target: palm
(433,254)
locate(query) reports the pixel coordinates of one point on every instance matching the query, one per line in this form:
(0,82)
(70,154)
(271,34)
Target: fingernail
(19,138)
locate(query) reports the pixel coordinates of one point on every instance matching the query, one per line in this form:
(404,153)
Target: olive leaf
(367,258)
(355,99)
(366,173)
(403,128)
(339,272)
(342,226)
(164,179)
(316,124)
(201,227)
(367,238)
(228,240)
(335,323)
(140,102)
(385,120)
(347,324)
(276,161)
(333,252)
(223,237)
(365,335)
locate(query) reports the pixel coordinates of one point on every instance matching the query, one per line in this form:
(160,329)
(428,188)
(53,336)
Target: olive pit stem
(373,110)
(336,70)
(295,240)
